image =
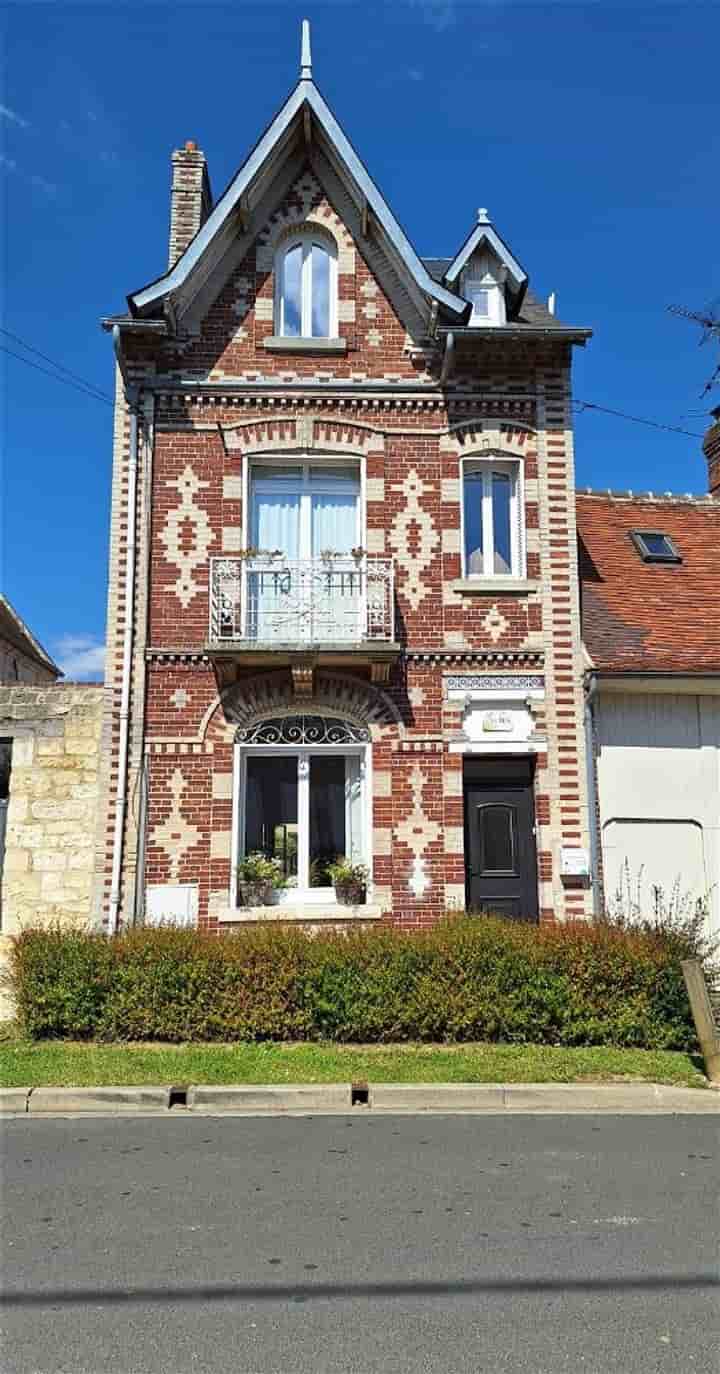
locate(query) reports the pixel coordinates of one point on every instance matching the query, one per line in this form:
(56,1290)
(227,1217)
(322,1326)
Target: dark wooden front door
(500,856)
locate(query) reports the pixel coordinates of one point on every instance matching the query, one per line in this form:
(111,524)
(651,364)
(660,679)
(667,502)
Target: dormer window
(306,289)
(488,302)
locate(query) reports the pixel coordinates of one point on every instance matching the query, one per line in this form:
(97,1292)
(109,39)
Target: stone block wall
(52,812)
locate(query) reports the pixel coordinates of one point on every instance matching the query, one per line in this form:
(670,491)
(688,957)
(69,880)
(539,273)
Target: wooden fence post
(707,1029)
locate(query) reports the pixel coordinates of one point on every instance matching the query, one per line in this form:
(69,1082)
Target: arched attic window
(306,288)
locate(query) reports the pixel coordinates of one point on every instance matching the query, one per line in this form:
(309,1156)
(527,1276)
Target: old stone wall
(49,848)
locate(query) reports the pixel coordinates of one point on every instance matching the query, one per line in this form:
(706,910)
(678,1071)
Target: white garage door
(658,853)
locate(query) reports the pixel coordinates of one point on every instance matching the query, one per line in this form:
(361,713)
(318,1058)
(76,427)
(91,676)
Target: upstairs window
(655,547)
(306,303)
(492,532)
(488,302)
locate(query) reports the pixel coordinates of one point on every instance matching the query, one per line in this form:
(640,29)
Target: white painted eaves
(269,149)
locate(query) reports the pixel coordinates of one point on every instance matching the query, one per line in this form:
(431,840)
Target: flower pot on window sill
(256,894)
(350,893)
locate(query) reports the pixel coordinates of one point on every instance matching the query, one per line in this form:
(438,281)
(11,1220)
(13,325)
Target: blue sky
(589,130)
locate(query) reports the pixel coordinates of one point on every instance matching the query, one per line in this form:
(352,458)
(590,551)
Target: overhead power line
(85,390)
(636,419)
(74,375)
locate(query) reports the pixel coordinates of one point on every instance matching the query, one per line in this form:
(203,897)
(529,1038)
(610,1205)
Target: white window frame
(303,462)
(514,468)
(303,894)
(496,302)
(306,241)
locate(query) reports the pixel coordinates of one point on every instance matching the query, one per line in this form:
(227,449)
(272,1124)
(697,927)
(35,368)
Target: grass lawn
(71,1064)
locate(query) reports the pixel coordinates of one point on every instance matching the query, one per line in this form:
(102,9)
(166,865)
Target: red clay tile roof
(650,617)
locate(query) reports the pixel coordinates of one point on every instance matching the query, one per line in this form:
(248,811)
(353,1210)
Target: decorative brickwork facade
(450,678)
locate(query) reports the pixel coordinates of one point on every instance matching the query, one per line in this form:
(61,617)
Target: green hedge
(462,980)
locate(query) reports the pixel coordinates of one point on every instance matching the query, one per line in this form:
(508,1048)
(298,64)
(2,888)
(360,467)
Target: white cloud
(13,118)
(81,657)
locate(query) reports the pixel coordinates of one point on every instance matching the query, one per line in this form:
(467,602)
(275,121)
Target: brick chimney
(711,449)
(190,198)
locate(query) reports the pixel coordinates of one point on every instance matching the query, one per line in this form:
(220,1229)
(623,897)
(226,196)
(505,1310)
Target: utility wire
(90,386)
(637,419)
(84,390)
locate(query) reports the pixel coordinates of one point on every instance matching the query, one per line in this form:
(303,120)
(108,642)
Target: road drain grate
(178,1097)
(359,1095)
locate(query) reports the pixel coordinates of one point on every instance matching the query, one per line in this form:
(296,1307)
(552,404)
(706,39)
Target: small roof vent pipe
(551,303)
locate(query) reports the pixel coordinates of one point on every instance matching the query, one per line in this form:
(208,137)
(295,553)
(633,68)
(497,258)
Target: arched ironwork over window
(304,730)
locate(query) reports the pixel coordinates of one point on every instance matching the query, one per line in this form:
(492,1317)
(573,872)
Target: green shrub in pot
(258,878)
(350,881)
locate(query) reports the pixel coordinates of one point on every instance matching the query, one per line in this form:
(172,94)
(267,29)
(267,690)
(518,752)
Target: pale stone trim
(382,783)
(220,844)
(222,786)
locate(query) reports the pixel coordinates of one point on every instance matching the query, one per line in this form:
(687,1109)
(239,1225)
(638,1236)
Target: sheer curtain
(334,528)
(275,525)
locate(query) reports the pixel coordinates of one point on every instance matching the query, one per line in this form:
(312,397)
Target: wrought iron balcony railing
(301,601)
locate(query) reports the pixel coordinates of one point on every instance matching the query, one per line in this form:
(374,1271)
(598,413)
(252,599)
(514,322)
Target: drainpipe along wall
(593,796)
(132,398)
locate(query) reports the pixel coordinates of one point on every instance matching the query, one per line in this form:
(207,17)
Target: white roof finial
(305,55)
(483,216)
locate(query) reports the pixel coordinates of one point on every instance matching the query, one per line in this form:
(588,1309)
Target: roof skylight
(655,547)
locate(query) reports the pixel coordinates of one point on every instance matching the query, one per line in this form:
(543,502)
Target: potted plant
(259,877)
(350,881)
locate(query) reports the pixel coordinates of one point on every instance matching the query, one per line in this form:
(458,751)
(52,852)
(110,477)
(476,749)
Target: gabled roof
(484,233)
(16,632)
(640,617)
(252,178)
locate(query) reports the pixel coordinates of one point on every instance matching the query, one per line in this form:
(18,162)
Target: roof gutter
(523,331)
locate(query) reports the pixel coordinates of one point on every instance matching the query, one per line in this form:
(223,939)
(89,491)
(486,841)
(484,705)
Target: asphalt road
(353,1243)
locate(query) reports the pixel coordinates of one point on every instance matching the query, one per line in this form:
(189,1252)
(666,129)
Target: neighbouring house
(651,626)
(23,662)
(343,607)
(22,657)
(49,800)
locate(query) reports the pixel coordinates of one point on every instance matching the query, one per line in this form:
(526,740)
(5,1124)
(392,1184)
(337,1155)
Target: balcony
(332,610)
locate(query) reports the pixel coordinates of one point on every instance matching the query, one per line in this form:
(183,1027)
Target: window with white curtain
(308,514)
(306,288)
(492,519)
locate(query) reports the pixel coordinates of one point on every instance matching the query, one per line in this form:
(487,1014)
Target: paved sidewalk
(333,1098)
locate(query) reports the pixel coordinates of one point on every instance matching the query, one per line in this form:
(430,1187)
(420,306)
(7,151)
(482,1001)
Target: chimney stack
(190,198)
(711,449)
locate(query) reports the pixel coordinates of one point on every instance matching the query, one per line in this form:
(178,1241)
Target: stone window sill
(494,586)
(278,344)
(306,912)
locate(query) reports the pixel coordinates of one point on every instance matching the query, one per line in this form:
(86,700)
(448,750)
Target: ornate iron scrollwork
(304,730)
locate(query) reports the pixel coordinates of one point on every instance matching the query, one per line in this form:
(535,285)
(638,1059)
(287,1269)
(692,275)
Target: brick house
(651,629)
(343,607)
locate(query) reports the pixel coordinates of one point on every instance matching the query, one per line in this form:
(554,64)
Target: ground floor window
(302,799)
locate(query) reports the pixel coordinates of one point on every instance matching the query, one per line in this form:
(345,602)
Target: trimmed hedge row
(462,980)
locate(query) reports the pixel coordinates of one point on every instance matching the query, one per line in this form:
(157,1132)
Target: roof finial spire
(305,54)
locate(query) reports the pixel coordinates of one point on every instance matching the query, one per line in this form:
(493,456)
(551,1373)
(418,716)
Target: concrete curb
(252,1097)
(13,1100)
(106,1100)
(260,1099)
(531,1098)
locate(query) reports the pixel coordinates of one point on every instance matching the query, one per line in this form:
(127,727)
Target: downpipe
(132,398)
(593,797)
